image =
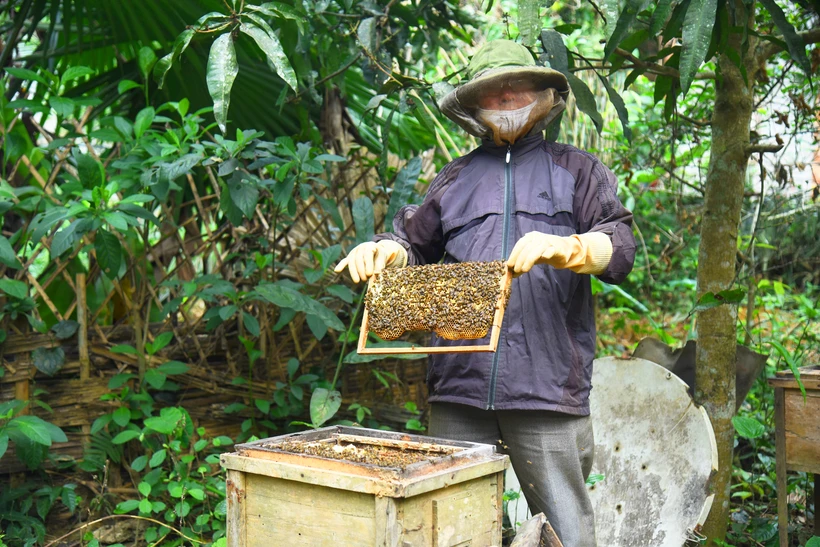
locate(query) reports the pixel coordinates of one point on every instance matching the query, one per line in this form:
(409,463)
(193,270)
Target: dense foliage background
(179,179)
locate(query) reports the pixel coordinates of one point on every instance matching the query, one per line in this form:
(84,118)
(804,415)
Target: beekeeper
(551,210)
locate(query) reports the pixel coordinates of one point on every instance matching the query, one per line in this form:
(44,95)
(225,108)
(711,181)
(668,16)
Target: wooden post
(817,504)
(236,522)
(82,343)
(780,466)
(82,333)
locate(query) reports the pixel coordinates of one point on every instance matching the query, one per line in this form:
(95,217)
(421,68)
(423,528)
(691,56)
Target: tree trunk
(716,327)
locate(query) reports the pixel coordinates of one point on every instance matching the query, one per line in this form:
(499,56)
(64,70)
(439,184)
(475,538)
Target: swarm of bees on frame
(456,301)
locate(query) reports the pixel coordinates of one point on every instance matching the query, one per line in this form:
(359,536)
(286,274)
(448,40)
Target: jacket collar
(522,146)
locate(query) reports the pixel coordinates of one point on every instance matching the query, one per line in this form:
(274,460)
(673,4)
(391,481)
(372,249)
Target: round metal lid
(656,451)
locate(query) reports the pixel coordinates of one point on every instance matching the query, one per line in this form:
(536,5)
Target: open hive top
(456,301)
(359,449)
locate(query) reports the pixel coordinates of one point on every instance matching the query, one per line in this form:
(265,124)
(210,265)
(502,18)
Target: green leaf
(618,102)
(285,297)
(124,348)
(529,21)
(293,366)
(122,416)
(270,46)
(173,367)
(74,73)
(585,100)
(748,428)
(4,444)
(166,422)
(323,405)
(118,380)
(244,196)
(366,33)
(144,119)
(90,171)
(126,506)
(146,59)
(137,198)
(697,34)
(221,73)
(30,427)
(109,253)
(126,85)
(161,341)
(63,106)
(363,219)
(164,64)
(155,378)
(139,463)
(15,289)
(197,493)
(26,74)
(7,254)
(659,16)
(792,364)
(342,292)
(66,238)
(353,357)
(813,542)
(286,315)
(125,436)
(402,189)
(65,329)
(796,45)
(262,405)
(145,506)
(158,458)
(48,360)
(317,326)
(69,497)
(251,324)
(624,24)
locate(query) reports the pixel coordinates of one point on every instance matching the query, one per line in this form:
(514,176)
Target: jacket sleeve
(418,227)
(598,209)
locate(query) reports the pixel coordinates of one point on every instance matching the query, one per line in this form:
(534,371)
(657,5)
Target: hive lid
(656,451)
(383,462)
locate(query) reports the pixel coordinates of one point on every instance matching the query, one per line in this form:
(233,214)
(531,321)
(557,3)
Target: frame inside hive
(494,331)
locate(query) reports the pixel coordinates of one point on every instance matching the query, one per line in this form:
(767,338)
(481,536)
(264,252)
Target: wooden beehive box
(403,490)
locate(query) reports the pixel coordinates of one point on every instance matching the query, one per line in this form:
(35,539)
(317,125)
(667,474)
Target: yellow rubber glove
(588,253)
(370,258)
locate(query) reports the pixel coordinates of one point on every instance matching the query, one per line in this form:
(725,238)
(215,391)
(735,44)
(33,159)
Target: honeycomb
(456,301)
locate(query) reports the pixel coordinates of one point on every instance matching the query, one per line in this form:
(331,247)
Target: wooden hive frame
(495,330)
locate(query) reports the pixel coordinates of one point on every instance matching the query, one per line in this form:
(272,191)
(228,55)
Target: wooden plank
(802,430)
(780,467)
(283,512)
(236,521)
(388,529)
(463,514)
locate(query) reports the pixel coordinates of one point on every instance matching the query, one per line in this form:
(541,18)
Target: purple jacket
(476,209)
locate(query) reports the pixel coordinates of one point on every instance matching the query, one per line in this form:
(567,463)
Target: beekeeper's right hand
(370,258)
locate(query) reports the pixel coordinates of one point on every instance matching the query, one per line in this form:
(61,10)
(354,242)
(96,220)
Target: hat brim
(541,77)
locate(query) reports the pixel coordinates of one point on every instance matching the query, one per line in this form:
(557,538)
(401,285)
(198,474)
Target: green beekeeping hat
(500,61)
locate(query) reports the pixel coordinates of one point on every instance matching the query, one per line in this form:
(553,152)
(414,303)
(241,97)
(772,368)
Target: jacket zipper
(505,252)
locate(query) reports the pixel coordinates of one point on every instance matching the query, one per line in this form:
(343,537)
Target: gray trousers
(551,455)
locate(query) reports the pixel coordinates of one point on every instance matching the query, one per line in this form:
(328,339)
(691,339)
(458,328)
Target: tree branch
(767,49)
(761,148)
